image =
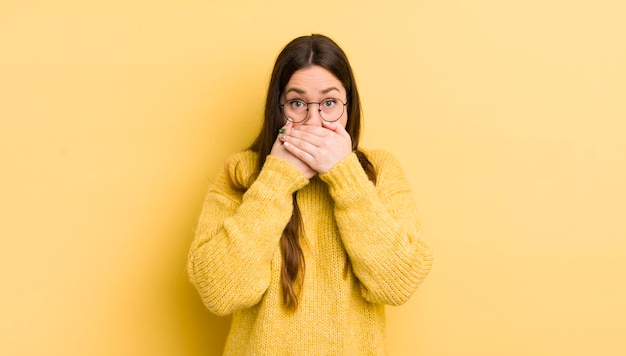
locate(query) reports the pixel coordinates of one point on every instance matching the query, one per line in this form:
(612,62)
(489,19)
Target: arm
(238,233)
(379,228)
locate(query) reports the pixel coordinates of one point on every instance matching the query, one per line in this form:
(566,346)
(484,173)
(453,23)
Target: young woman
(304,236)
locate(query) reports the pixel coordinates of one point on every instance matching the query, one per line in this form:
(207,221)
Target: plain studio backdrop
(507,116)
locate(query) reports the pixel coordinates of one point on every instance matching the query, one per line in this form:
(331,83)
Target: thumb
(336,127)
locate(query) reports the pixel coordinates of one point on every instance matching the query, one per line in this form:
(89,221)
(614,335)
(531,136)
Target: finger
(300,153)
(283,130)
(330,125)
(323,131)
(335,127)
(316,139)
(305,142)
(314,130)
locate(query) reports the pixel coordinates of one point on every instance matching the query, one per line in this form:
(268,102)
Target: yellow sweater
(235,260)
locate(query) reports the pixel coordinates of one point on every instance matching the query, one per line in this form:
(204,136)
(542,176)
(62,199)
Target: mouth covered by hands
(320,148)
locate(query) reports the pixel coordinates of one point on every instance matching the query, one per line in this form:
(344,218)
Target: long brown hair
(302,52)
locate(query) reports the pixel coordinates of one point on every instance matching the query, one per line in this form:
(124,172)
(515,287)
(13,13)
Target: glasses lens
(296,110)
(331,109)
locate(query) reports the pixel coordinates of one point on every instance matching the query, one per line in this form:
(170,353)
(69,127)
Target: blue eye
(329,103)
(297,104)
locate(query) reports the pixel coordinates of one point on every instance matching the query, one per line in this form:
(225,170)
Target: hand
(279,150)
(320,148)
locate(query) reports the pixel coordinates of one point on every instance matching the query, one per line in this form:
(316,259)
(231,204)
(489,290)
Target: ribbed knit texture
(235,259)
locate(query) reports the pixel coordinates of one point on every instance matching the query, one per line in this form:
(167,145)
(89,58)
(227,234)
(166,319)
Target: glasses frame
(319,108)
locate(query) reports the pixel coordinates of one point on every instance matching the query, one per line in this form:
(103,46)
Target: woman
(304,236)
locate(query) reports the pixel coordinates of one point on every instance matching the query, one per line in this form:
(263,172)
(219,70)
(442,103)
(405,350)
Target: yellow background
(508,117)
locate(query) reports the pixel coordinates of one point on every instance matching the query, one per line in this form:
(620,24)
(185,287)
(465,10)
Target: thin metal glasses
(297,110)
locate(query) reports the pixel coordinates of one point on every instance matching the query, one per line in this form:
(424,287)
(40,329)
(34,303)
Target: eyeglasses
(297,110)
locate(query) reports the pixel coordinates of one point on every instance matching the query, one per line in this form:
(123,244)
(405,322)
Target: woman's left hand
(320,147)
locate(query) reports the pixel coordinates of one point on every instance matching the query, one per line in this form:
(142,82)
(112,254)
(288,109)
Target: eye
(329,103)
(297,104)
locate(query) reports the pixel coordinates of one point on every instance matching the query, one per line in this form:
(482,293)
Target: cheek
(344,120)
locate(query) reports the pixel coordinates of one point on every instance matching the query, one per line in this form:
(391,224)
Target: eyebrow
(300,91)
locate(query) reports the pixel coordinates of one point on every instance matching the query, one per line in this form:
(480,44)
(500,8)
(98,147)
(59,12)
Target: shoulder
(245,158)
(381,159)
(388,170)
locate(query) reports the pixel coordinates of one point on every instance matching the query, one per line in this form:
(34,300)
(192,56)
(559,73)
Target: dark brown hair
(302,52)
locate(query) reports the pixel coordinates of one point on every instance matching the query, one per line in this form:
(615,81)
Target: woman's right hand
(279,151)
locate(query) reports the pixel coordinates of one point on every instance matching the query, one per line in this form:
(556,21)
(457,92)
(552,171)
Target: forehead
(313,80)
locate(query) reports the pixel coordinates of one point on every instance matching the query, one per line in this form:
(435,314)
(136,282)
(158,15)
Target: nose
(314,117)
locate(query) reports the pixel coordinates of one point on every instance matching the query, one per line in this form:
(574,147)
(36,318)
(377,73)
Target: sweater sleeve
(379,228)
(239,232)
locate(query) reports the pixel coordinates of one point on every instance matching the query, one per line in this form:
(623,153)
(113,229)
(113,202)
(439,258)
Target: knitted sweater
(235,259)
